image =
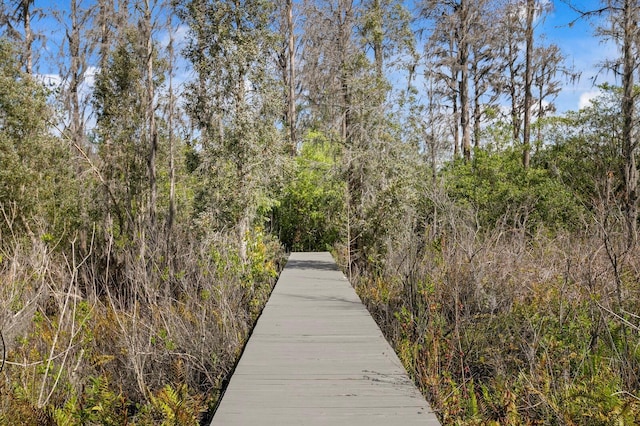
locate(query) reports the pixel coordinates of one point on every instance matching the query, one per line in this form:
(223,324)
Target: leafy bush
(310,213)
(37,186)
(499,189)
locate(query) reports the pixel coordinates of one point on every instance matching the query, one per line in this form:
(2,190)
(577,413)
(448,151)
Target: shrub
(498,188)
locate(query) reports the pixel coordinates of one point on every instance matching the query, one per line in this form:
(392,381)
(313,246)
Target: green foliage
(262,271)
(98,404)
(172,407)
(37,190)
(584,150)
(310,213)
(386,27)
(119,100)
(133,329)
(499,189)
(235,103)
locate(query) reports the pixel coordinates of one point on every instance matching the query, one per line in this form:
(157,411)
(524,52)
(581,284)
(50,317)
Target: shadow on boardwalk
(312,264)
(356,302)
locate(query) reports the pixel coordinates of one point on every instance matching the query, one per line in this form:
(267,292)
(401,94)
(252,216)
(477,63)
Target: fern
(175,407)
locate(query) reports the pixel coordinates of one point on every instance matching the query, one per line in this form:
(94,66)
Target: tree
(291,87)
(528,81)
(537,69)
(21,16)
(151,131)
(386,30)
(36,184)
(346,92)
(311,211)
(235,104)
(485,68)
(287,64)
(582,149)
(622,17)
(120,106)
(78,48)
(170,118)
(104,20)
(331,59)
(510,54)
(451,45)
(548,63)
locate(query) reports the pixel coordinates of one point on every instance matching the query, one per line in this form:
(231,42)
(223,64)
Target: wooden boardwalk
(316,357)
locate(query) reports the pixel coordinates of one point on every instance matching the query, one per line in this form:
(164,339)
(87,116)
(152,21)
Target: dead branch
(4,352)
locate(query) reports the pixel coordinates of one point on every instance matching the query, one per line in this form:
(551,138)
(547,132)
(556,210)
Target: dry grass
(503,327)
(136,335)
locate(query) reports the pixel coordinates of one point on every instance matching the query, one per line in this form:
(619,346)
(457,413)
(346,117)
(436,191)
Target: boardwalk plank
(316,357)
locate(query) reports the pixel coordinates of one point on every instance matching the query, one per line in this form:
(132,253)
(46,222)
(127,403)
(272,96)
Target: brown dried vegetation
(506,327)
(152,346)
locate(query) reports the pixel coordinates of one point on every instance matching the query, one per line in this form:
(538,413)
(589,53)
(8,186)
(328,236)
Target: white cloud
(586,97)
(539,12)
(55,81)
(90,76)
(180,36)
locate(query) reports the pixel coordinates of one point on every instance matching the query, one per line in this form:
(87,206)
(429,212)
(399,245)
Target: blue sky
(583,51)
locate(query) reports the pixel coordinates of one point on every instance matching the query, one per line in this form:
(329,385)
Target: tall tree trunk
(454,101)
(291,119)
(151,121)
(354,187)
(170,259)
(431,138)
(629,143)
(105,16)
(463,46)
(526,137)
(76,120)
(513,85)
(539,118)
(456,127)
(74,73)
(28,35)
(477,112)
(172,171)
(515,113)
(377,39)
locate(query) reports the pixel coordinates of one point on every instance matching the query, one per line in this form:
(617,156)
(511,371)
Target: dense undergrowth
(154,352)
(514,329)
